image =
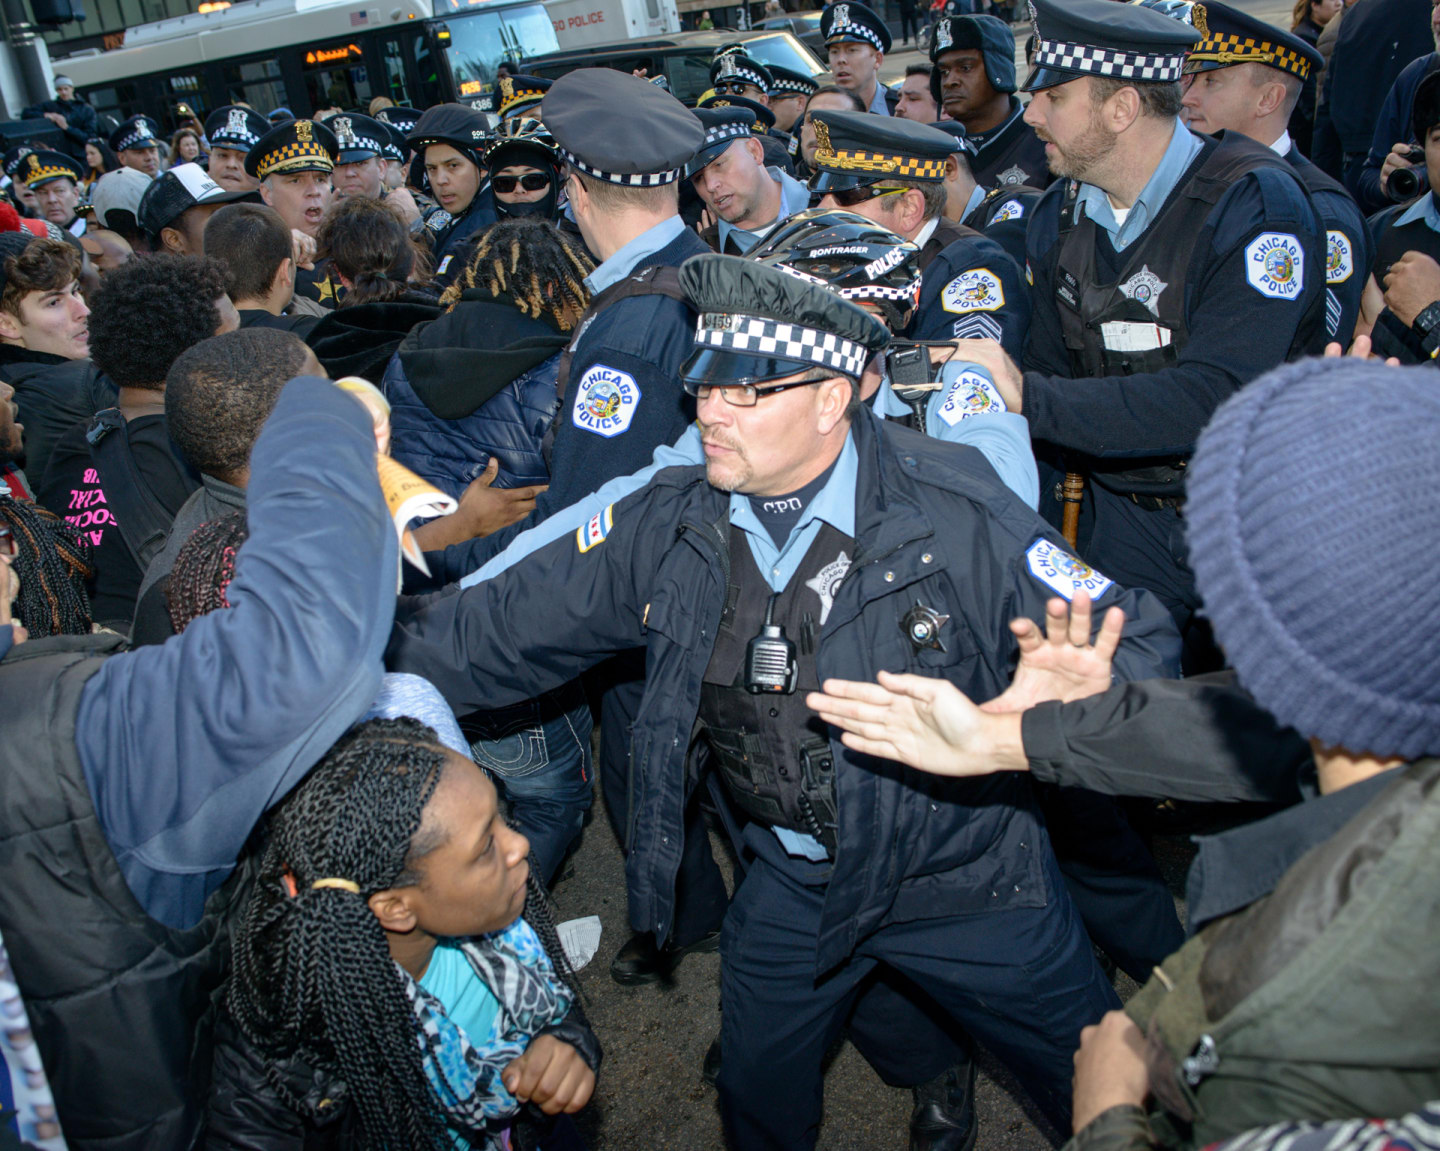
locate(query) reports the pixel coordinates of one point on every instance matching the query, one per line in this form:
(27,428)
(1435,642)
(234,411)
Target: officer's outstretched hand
(1063,664)
(993,358)
(922,722)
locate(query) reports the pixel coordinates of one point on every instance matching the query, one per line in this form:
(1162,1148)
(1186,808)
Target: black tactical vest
(771,750)
(1150,290)
(119,1004)
(1393,242)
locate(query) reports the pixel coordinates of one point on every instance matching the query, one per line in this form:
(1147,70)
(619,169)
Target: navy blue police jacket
(971,290)
(934,524)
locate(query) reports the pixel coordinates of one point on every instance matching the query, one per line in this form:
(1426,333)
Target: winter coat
(53,395)
(359,339)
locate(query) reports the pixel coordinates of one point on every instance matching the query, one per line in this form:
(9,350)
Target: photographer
(1400,324)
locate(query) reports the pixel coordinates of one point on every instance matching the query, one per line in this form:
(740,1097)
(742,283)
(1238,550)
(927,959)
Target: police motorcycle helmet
(523,142)
(855,257)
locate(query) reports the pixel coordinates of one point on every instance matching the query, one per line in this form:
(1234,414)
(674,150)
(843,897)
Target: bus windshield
(480,40)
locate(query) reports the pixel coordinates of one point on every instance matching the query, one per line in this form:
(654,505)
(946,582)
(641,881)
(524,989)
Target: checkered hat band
(1231,49)
(1093,61)
(522,99)
(243,141)
(47,172)
(795,86)
(722,132)
(141,138)
(628,179)
(774,339)
(852,30)
(881,164)
(904,295)
(298,156)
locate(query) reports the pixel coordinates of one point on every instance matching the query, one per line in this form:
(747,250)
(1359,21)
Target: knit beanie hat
(1313,508)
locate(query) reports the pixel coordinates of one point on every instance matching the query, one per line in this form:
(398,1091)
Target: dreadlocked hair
(313,974)
(532,264)
(204,567)
(52,560)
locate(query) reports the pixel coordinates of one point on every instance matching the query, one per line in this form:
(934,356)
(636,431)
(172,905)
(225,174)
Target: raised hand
(1062,664)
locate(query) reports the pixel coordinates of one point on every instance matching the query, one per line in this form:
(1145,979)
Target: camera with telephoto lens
(1404,183)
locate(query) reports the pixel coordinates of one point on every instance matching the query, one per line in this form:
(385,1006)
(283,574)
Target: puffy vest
(1089,306)
(772,751)
(120,1004)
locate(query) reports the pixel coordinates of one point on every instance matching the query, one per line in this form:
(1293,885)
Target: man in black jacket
(74,117)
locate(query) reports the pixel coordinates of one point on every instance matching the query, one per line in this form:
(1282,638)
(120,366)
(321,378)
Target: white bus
(310,54)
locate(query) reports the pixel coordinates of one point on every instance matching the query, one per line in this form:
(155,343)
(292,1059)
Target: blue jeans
(538,753)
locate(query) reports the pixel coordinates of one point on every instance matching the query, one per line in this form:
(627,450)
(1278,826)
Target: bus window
(428,91)
(188,89)
(395,86)
(255,82)
(336,76)
(481,40)
(117,102)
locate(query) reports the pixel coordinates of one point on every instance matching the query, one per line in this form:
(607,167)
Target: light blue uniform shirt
(1424,209)
(1184,146)
(794,197)
(623,262)
(974,202)
(878,105)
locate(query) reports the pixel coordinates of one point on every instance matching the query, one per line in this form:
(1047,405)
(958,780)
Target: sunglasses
(733,87)
(849,197)
(531,182)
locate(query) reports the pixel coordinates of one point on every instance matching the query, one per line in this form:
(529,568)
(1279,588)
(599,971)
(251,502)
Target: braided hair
(532,264)
(52,560)
(199,583)
(313,974)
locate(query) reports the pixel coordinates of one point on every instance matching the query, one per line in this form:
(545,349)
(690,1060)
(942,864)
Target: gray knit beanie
(1314,527)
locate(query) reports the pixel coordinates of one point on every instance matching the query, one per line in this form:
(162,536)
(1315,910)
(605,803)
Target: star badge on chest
(922,625)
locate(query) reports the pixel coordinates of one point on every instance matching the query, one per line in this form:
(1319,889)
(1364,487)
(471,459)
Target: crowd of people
(929,490)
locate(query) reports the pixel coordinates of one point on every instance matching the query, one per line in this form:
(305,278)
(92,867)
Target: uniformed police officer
(745,197)
(135,145)
(788,92)
(974,81)
(293,162)
(775,144)
(735,73)
(452,139)
(814,543)
(232,132)
(856,40)
(55,179)
(1169,269)
(892,171)
(520,96)
(360,163)
(1001,213)
(1246,76)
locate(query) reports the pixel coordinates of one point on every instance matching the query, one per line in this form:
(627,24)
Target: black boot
(640,961)
(944,1118)
(710,1069)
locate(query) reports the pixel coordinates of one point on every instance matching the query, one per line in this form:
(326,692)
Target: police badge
(1146,287)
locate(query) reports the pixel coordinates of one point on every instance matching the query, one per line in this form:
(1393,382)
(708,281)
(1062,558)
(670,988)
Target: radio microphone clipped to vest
(770,663)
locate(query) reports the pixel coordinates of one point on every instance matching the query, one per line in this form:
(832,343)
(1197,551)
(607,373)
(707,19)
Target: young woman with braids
(472,396)
(52,561)
(398,982)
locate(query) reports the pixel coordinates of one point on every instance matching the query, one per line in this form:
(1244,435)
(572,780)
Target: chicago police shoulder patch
(1275,265)
(974,290)
(1009,210)
(605,401)
(1339,259)
(1063,573)
(595,529)
(972,394)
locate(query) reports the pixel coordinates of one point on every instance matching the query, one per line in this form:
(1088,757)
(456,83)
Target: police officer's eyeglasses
(531,182)
(849,197)
(733,87)
(741,395)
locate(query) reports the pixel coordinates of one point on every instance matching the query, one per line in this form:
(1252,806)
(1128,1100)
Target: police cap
(10,162)
(723,126)
(397,148)
(736,66)
(963,142)
(398,116)
(1075,38)
(857,148)
(136,132)
(852,21)
(987,35)
(235,127)
(620,129)
(459,125)
(1234,37)
(359,137)
(174,192)
(764,117)
(41,168)
(788,82)
(758,322)
(294,146)
(518,93)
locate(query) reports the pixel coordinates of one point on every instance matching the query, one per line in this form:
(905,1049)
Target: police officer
(892,171)
(520,96)
(1246,76)
(856,40)
(775,144)
(974,81)
(734,73)
(360,162)
(746,198)
(55,179)
(789,90)
(1001,212)
(452,139)
(293,163)
(135,145)
(232,131)
(734,581)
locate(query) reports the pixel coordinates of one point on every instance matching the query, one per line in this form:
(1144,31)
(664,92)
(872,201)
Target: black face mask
(545,208)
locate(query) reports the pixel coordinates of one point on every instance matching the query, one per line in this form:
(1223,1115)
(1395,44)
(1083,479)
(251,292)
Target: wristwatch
(1427,327)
